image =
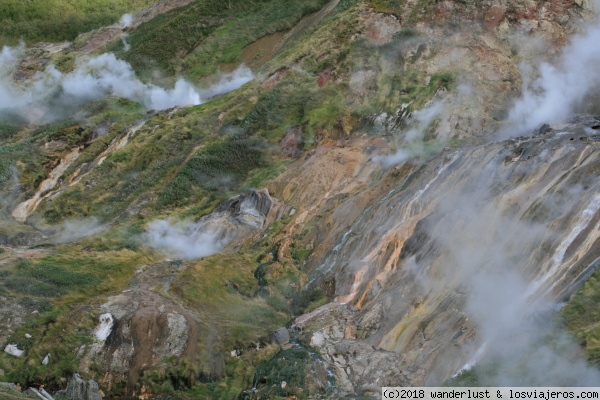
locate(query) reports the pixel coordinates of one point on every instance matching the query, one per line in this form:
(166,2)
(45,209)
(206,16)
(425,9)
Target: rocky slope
(425,277)
(358,214)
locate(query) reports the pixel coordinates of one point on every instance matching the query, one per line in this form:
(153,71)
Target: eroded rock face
(140,329)
(241,216)
(515,221)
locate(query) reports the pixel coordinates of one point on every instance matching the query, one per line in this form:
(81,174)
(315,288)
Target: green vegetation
(53,332)
(218,166)
(182,163)
(58,20)
(7,393)
(46,280)
(59,287)
(9,125)
(301,369)
(581,316)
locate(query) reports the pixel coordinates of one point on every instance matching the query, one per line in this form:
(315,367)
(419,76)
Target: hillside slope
(340,195)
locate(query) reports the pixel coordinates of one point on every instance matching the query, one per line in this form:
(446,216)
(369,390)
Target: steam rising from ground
(126,45)
(561,87)
(488,252)
(73,230)
(412,142)
(126,20)
(184,240)
(51,94)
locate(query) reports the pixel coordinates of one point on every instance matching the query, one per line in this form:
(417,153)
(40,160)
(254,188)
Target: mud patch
(255,55)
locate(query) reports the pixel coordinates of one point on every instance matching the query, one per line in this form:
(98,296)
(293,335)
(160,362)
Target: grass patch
(198,38)
(581,316)
(59,20)
(219,166)
(60,287)
(47,280)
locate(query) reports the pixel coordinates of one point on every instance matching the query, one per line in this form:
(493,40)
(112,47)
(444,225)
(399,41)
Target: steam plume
(73,230)
(126,20)
(184,241)
(412,143)
(561,88)
(489,251)
(49,93)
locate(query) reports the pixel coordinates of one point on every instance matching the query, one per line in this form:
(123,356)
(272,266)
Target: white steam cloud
(412,142)
(560,88)
(76,229)
(49,94)
(184,240)
(488,252)
(126,20)
(126,45)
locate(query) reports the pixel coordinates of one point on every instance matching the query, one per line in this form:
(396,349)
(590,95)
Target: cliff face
(369,184)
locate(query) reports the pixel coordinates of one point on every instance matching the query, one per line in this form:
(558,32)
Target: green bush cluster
(6,171)
(220,165)
(581,316)
(303,300)
(9,125)
(72,135)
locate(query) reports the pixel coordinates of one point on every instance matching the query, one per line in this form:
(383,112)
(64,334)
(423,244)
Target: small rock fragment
(105,327)
(13,350)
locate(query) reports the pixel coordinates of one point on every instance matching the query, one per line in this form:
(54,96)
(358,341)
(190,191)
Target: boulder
(282,336)
(78,389)
(13,350)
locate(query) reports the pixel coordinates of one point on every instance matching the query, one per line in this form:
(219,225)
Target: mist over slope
(561,87)
(308,198)
(51,95)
